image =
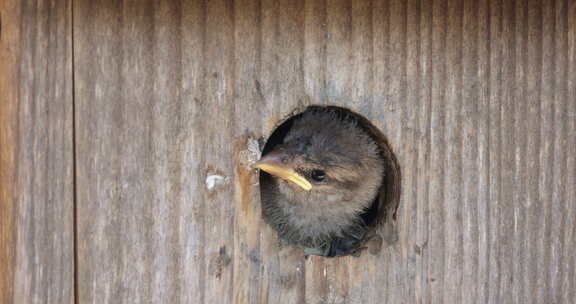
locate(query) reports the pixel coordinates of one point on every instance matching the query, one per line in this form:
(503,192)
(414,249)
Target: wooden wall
(36,152)
(113,115)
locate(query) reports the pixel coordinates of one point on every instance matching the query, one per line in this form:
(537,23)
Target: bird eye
(318,175)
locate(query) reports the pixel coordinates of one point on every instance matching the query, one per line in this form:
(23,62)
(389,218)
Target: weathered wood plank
(248,271)
(437,203)
(474,117)
(191,224)
(9,58)
(422,168)
(477,98)
(560,213)
(500,58)
(569,143)
(36,153)
(128,146)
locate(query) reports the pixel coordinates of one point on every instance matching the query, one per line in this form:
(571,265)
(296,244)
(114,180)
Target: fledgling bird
(322,182)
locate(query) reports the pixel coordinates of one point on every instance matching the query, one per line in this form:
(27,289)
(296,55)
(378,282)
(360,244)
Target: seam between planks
(74,157)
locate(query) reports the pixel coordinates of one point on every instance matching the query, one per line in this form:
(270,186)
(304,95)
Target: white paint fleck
(214,180)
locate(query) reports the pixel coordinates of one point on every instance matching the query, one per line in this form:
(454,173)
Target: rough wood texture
(478,99)
(9,47)
(36,157)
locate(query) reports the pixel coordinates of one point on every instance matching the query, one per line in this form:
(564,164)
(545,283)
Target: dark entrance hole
(385,205)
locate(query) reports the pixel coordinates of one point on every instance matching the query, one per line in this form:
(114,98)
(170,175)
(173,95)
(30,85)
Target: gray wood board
(36,152)
(476,97)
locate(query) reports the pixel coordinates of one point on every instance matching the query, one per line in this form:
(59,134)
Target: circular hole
(384,206)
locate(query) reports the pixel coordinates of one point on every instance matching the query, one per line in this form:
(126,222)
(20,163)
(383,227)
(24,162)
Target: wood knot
(219,262)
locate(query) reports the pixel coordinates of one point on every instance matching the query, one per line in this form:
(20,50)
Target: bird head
(325,157)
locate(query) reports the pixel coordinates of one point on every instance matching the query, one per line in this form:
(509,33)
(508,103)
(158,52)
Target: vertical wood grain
(421,252)
(471,141)
(248,271)
(9,58)
(570,192)
(496,65)
(438,159)
(476,97)
(192,254)
(558,184)
(36,153)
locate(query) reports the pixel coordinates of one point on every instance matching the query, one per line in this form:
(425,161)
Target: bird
(324,182)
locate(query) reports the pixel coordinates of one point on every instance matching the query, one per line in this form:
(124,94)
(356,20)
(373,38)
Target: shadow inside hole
(385,205)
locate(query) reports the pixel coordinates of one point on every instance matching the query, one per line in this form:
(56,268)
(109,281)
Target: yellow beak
(271,163)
